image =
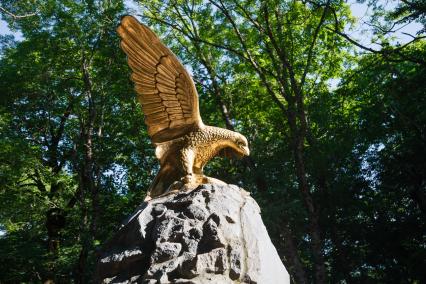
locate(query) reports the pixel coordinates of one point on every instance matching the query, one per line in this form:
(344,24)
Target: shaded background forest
(337,130)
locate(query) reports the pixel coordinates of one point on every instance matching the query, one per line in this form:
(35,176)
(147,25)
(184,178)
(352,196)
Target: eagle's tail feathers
(162,181)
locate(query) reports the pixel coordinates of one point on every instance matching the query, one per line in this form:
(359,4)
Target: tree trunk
(292,259)
(89,187)
(298,134)
(418,195)
(82,237)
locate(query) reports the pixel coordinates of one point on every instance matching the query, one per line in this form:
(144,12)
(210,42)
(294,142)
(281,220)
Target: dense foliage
(339,172)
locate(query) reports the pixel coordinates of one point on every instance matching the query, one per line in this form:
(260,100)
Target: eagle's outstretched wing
(165,89)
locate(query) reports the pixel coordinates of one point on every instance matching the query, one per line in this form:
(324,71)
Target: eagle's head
(237,146)
(241,145)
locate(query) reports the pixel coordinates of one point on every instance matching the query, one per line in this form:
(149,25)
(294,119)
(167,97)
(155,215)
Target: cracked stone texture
(213,234)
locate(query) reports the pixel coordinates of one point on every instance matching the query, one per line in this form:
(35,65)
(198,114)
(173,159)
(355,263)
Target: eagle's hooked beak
(246,150)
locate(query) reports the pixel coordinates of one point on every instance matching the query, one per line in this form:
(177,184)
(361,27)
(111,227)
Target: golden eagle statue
(170,104)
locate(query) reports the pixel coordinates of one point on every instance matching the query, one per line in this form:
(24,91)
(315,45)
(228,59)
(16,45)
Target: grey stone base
(213,234)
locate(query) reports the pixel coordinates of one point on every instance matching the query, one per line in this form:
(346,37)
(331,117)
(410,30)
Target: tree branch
(384,52)
(312,45)
(16,17)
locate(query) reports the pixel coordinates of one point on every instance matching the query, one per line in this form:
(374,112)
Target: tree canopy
(338,169)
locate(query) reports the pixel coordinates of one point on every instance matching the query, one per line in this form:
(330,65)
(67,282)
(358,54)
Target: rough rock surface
(213,234)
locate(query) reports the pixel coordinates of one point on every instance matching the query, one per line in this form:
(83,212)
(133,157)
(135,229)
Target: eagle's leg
(187,164)
(198,170)
(203,179)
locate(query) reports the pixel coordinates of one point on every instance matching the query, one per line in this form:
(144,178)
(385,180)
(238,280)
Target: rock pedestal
(213,234)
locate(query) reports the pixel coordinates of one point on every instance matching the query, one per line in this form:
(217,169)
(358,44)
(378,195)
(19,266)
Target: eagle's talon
(205,179)
(189,178)
(195,179)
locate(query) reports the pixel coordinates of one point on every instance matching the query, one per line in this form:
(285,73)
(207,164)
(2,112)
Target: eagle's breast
(207,142)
